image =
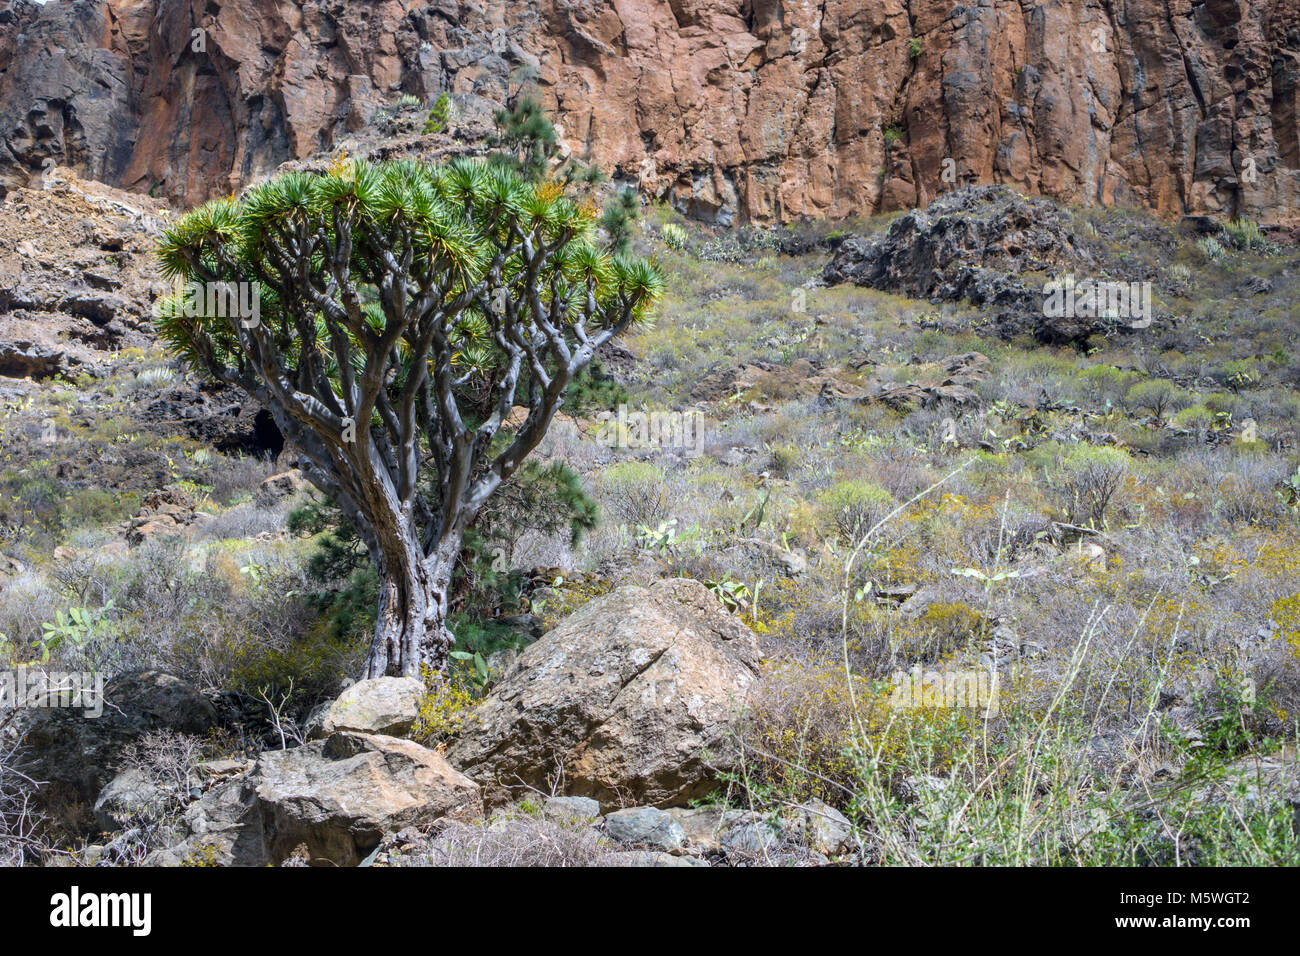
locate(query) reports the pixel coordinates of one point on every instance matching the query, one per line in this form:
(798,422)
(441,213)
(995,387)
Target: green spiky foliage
(620,214)
(527,139)
(585,176)
(399,305)
(440,115)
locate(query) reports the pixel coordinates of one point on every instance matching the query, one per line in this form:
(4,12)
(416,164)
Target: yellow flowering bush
(444,708)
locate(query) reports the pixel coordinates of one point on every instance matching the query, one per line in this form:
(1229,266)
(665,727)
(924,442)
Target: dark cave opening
(267,440)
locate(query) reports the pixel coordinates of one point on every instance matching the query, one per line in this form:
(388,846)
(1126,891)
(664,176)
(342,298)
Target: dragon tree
(402,312)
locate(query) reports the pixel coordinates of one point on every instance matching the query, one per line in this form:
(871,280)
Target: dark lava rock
(974,244)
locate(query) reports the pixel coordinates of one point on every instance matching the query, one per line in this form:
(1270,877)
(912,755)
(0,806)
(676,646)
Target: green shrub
(634,491)
(447,702)
(1197,419)
(1242,374)
(526,139)
(784,459)
(618,219)
(1109,383)
(1231,719)
(304,673)
(852,508)
(594,390)
(1246,235)
(1091,477)
(944,627)
(1211,249)
(440,116)
(1157,396)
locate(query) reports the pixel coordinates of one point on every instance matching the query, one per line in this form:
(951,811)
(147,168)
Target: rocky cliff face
(732,109)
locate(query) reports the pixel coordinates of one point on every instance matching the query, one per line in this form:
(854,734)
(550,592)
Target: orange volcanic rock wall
(733,109)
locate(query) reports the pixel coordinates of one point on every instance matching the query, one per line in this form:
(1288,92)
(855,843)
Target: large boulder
(645,827)
(969,243)
(628,699)
(974,244)
(383,705)
(78,754)
(329,801)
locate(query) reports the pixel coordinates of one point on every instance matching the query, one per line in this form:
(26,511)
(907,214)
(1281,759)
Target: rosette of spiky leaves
(638,283)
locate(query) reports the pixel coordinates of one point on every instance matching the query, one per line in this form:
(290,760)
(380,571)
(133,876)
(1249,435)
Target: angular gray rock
(128,796)
(572,808)
(973,243)
(752,841)
(330,802)
(384,705)
(704,825)
(82,754)
(645,827)
(630,697)
(822,828)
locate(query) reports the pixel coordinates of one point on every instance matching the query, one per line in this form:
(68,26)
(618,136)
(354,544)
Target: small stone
(825,829)
(645,826)
(750,841)
(572,808)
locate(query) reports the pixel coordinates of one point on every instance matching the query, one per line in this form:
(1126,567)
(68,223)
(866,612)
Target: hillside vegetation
(885,485)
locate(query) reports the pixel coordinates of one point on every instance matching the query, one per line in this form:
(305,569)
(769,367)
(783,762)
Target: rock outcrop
(76,754)
(730,109)
(78,284)
(975,244)
(628,699)
(951,381)
(77,276)
(164,513)
(279,487)
(128,795)
(327,802)
(962,246)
